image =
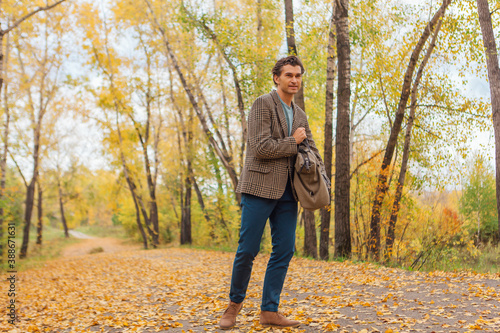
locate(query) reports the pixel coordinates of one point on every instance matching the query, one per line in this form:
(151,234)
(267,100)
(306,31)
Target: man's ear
(274,79)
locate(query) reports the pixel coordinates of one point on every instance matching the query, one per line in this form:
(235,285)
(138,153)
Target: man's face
(290,79)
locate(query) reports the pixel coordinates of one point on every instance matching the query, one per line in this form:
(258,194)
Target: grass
(96,250)
(487,260)
(103,231)
(53,242)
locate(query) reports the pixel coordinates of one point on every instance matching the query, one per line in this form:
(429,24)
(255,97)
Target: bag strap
(306,142)
(305,155)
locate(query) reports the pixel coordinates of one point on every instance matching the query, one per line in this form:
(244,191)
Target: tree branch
(19,169)
(367,161)
(27,16)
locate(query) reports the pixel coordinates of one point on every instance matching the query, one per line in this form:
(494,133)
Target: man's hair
(290,60)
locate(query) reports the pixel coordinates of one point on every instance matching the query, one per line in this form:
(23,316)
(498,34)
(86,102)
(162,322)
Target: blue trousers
(282,214)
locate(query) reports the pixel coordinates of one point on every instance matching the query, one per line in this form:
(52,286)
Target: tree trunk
(342,155)
(39,226)
(324,239)
(200,200)
(30,193)
(186,211)
(381,189)
(61,209)
(389,243)
(292,49)
(309,237)
(310,247)
(494,80)
(138,218)
(260,71)
(132,187)
(3,159)
(144,140)
(30,197)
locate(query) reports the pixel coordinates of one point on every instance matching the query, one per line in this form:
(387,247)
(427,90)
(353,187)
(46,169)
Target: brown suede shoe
(275,319)
(228,319)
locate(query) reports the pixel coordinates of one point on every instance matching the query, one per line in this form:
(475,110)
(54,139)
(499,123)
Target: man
(267,192)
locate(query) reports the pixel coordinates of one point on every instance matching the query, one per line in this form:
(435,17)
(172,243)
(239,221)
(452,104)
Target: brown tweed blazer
(271,153)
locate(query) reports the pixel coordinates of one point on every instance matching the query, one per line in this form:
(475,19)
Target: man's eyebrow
(292,73)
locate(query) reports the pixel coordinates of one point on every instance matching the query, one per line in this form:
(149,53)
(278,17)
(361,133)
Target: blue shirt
(288,115)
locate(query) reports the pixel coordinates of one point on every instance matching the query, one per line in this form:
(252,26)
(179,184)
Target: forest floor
(127,289)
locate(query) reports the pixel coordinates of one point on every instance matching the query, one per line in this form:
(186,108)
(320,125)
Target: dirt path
(89,243)
(186,290)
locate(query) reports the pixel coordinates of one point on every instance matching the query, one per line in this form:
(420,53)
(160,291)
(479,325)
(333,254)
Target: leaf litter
(186,290)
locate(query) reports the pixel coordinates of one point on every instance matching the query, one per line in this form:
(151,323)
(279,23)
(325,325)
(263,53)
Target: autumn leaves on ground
(126,289)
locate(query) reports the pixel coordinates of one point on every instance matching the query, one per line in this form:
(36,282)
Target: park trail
(90,243)
(128,289)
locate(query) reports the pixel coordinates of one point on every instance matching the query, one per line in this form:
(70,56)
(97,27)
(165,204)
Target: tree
(478,201)
(310,240)
(39,226)
(119,99)
(342,145)
(39,65)
(381,189)
(324,240)
(216,141)
(494,80)
(406,150)
(12,24)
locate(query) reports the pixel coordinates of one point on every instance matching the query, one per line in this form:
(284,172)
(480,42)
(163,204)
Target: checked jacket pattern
(271,153)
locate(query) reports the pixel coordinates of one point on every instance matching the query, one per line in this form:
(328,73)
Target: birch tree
(491,52)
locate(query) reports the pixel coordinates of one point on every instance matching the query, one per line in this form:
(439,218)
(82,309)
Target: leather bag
(311,185)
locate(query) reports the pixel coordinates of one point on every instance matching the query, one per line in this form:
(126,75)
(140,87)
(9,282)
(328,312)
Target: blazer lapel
(281,113)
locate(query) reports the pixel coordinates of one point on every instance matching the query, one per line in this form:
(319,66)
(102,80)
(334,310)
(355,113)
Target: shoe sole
(278,326)
(225,328)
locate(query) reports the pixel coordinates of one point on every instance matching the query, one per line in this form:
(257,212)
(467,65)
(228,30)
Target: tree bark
(201,201)
(186,237)
(494,80)
(39,226)
(186,210)
(342,155)
(406,148)
(61,208)
(381,189)
(310,247)
(30,196)
(324,239)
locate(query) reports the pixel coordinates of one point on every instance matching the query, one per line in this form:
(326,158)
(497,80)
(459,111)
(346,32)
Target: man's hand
(300,135)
